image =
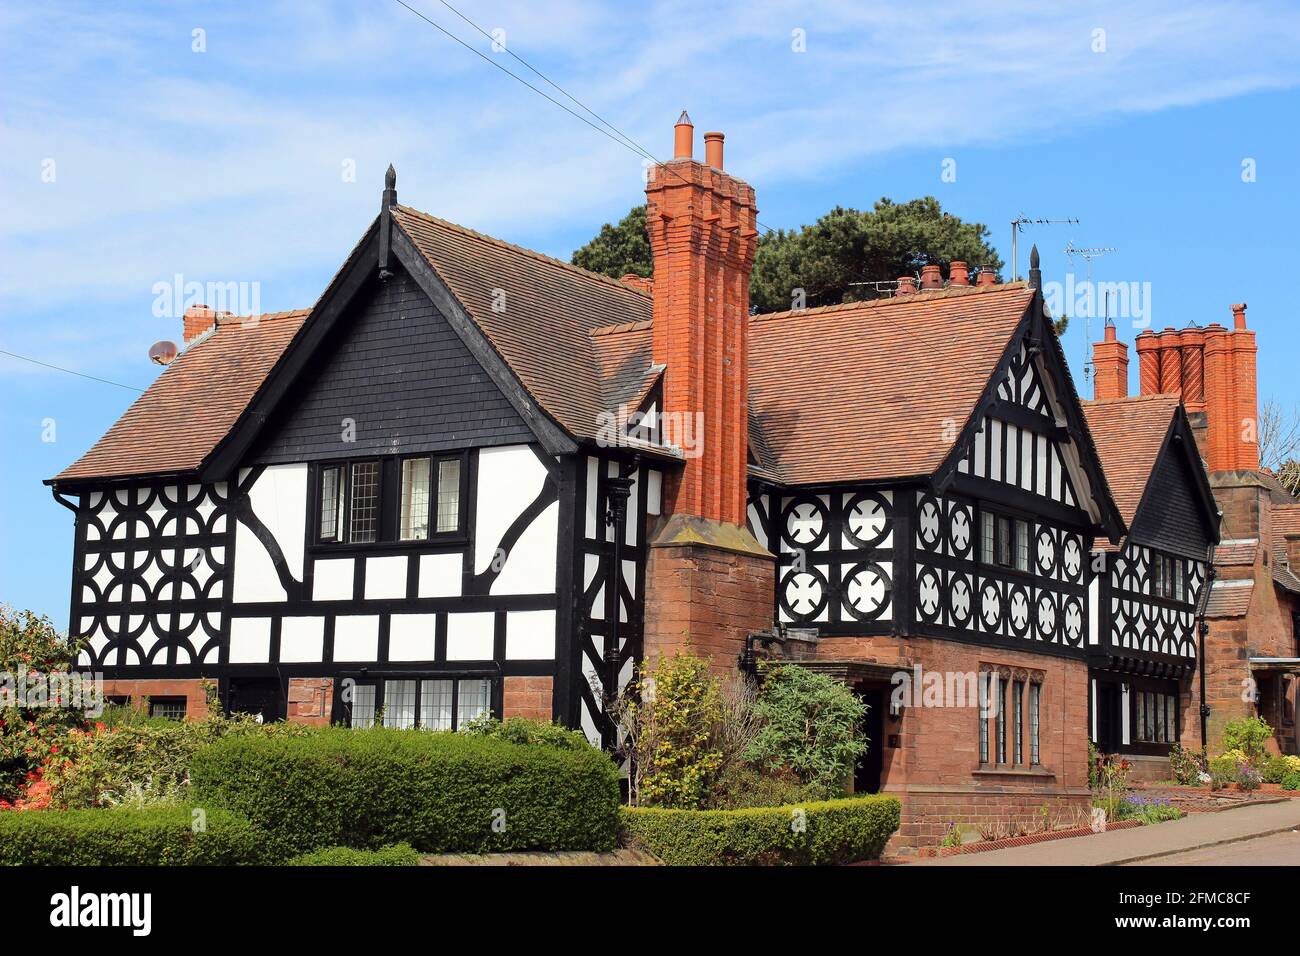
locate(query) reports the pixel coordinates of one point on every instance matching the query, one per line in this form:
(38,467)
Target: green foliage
(670,720)
(741,787)
(1187,766)
(826,833)
(167,836)
(440,792)
(1248,778)
(395,854)
(848,245)
(1223,771)
(1276,769)
(144,760)
(619,249)
(1155,810)
(825,259)
(1291,781)
(525,730)
(31,736)
(1094,766)
(1249,735)
(811,727)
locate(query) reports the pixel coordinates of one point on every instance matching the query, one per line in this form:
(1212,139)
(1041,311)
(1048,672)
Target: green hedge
(127,837)
(827,832)
(440,792)
(398,854)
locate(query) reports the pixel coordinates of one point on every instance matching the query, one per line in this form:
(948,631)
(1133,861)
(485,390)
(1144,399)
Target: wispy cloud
(228,164)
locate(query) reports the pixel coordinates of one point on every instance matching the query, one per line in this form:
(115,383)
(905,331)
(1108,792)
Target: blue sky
(228,163)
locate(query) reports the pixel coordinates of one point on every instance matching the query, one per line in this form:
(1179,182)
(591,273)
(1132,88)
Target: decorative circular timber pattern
(804,523)
(1045,552)
(866,519)
(959,530)
(929,595)
(960,600)
(804,595)
(1018,609)
(1073,621)
(991,606)
(1072,558)
(866,590)
(929,522)
(1045,616)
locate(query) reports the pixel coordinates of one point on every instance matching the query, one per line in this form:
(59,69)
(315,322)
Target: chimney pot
(986,277)
(958,274)
(1109,335)
(931,277)
(684,137)
(906,285)
(713,149)
(1239,315)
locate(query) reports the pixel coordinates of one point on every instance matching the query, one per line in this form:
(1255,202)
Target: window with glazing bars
(428,703)
(1017,717)
(1035,692)
(363,502)
(331,502)
(984,696)
(414,524)
(1002,720)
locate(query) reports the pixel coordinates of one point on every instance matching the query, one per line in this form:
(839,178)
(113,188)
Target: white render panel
(411,637)
(530,635)
(279,499)
(386,577)
(509,478)
(440,575)
(250,640)
(530,565)
(469,636)
(302,639)
(255,577)
(332,579)
(356,637)
(654,484)
(590,527)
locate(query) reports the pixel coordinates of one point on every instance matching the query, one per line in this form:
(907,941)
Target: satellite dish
(163,353)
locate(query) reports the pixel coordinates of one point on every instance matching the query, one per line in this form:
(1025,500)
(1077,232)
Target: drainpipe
(618,490)
(1202,629)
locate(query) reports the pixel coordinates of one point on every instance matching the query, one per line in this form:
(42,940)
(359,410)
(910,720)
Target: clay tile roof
(1239,552)
(189,408)
(550,309)
(878,389)
(1128,433)
(1230,598)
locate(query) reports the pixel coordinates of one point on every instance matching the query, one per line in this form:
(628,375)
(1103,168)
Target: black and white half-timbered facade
(1148,593)
(473,479)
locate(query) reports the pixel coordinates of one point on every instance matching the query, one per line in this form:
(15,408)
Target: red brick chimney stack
(1110,366)
(701,226)
(196,321)
(708,581)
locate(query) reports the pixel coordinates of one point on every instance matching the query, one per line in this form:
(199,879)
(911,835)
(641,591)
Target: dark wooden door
(1108,717)
(256,695)
(867,777)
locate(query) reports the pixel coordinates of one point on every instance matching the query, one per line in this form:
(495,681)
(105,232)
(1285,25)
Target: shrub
(396,854)
(440,792)
(1248,778)
(812,726)
(1276,768)
(127,837)
(144,760)
(31,649)
(1187,766)
(742,787)
(825,833)
(1291,781)
(525,730)
(1147,809)
(669,721)
(1249,735)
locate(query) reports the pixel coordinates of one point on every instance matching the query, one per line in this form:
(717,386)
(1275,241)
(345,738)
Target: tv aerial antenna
(1088,254)
(1018,225)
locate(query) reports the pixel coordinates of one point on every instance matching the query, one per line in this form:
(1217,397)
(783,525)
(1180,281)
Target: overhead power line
(60,368)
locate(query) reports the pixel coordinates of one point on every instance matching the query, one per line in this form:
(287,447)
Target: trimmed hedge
(398,854)
(124,836)
(828,832)
(440,792)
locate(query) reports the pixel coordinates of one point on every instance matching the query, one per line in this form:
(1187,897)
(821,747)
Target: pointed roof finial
(684,118)
(1035,273)
(390,188)
(390,178)
(1033,255)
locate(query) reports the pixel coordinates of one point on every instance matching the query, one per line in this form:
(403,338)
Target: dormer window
(349,502)
(430,498)
(391,499)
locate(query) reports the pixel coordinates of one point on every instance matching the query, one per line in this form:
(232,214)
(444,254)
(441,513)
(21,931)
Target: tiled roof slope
(189,408)
(1128,433)
(1230,598)
(870,390)
(550,308)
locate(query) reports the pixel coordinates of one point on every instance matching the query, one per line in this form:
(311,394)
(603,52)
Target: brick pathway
(1142,843)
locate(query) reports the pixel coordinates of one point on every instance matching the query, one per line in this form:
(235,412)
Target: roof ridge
(539,256)
(230,319)
(1151,396)
(927,295)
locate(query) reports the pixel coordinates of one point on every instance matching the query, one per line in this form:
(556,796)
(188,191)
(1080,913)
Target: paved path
(1141,843)
(1280,849)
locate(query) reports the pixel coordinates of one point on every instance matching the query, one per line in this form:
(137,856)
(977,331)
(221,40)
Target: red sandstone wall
(196,700)
(528,697)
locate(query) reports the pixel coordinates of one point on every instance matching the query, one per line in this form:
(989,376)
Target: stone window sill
(992,770)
